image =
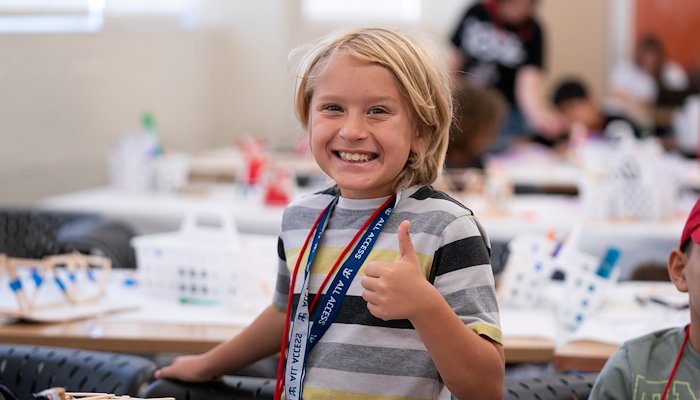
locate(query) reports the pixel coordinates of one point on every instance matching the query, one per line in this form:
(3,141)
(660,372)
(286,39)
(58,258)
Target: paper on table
(528,323)
(619,326)
(70,312)
(170,312)
(623,317)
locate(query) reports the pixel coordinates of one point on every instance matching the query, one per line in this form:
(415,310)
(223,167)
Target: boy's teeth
(354,156)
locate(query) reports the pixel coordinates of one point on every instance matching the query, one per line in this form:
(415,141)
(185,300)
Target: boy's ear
(419,143)
(677,260)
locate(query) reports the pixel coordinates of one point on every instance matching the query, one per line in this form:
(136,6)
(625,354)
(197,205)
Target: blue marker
(608,263)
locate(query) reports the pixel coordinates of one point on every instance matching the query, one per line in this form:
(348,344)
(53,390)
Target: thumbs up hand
(395,290)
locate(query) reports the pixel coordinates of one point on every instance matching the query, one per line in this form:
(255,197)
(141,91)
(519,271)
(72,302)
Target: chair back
(29,369)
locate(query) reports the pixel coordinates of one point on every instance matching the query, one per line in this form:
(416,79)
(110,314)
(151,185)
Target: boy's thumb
(406,250)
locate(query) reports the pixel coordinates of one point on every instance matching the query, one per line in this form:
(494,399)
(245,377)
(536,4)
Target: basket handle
(195,218)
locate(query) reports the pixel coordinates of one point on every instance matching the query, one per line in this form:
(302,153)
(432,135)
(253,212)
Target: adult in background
(647,88)
(499,44)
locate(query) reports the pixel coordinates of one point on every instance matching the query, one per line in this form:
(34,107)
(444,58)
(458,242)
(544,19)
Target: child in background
(572,98)
(479,114)
(664,363)
(420,314)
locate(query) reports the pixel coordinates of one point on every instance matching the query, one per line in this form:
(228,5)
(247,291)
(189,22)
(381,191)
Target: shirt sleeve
(461,271)
(281,294)
(535,48)
(612,383)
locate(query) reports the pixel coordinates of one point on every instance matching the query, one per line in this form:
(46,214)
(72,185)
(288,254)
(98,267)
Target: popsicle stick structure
(54,281)
(105,396)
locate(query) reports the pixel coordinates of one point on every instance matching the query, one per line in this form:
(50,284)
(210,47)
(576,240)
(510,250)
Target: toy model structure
(59,393)
(52,282)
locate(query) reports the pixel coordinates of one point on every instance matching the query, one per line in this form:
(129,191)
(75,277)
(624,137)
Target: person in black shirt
(499,44)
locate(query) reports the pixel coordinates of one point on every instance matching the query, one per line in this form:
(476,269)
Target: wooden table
(583,356)
(108,334)
(116,335)
(528,350)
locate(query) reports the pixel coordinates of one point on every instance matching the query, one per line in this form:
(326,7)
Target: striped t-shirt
(361,356)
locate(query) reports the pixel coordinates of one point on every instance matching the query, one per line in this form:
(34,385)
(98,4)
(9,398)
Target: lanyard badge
(307,327)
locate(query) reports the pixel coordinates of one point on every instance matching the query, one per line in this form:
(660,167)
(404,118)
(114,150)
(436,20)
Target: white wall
(67,98)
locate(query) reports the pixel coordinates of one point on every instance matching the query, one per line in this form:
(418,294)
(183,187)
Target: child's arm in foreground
(470,365)
(260,339)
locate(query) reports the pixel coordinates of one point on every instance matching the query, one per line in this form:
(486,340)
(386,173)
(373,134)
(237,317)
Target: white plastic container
(529,267)
(584,290)
(206,264)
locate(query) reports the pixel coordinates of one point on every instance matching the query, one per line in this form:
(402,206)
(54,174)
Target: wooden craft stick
(106,396)
(75,263)
(11,271)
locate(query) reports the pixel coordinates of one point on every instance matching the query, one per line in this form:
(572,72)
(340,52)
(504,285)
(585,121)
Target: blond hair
(424,83)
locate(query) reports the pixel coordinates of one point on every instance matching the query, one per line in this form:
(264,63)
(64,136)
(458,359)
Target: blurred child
(405,315)
(664,364)
(479,114)
(572,98)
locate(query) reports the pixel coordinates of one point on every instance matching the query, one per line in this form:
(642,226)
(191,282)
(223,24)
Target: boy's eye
(333,107)
(377,110)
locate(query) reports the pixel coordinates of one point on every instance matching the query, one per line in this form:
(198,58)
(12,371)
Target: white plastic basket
(205,263)
(528,269)
(584,290)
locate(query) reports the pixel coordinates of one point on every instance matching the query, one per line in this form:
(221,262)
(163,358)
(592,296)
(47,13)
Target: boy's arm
(260,339)
(470,365)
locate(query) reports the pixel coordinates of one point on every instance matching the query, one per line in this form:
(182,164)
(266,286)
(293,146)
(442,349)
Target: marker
(607,265)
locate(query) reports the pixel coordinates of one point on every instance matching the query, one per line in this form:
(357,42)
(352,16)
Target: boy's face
(582,111)
(360,126)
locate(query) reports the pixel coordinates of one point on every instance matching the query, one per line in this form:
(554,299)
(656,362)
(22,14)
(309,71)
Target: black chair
(229,388)
(554,387)
(110,239)
(28,233)
(29,369)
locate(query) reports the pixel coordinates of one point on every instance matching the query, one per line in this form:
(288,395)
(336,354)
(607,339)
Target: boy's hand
(186,368)
(396,290)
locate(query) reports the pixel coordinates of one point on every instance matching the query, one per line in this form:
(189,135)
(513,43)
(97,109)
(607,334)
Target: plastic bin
(206,263)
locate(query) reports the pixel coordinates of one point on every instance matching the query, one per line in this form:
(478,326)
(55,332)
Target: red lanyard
(678,361)
(283,348)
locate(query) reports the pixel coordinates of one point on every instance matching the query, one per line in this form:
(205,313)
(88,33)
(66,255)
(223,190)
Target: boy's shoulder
(315,200)
(303,211)
(659,341)
(427,198)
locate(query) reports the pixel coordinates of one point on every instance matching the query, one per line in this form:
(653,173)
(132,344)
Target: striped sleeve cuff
(490,331)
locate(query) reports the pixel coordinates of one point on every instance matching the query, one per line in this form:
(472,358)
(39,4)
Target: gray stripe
(373,360)
(373,336)
(370,384)
(429,205)
(423,243)
(296,217)
(473,301)
(432,222)
(283,282)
